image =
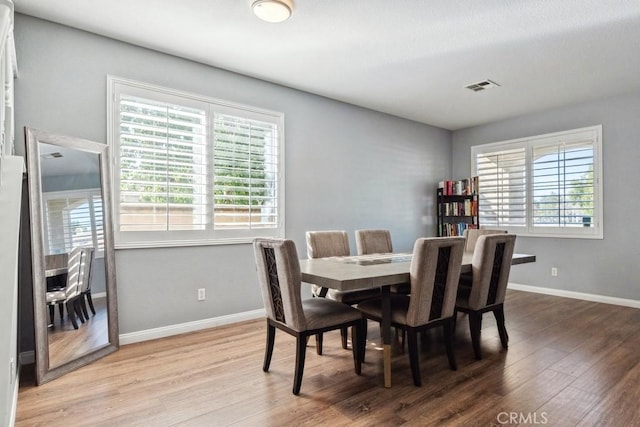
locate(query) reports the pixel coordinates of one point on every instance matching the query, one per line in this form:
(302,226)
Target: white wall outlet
(554,271)
(201,294)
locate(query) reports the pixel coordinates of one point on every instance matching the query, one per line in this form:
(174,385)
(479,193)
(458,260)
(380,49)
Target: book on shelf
(454,229)
(463,187)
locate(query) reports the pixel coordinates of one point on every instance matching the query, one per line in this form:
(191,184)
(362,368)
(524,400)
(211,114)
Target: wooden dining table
(374,271)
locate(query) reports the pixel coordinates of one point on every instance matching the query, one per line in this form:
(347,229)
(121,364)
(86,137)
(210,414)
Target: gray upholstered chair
(323,244)
(491,265)
(70,293)
(378,242)
(471,235)
(435,268)
(280,282)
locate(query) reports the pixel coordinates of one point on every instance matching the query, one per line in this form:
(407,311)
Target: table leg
(386,335)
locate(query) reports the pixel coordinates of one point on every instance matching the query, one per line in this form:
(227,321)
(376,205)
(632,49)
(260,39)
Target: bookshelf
(457,206)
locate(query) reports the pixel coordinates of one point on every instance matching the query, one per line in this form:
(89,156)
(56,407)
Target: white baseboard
(576,295)
(182,328)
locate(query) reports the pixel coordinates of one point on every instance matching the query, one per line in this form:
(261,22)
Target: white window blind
(193,170)
(73,219)
(548,185)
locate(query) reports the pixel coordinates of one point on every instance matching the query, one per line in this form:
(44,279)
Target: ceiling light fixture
(272,10)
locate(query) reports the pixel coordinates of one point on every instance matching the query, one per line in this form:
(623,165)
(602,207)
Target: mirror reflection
(74,252)
(74,289)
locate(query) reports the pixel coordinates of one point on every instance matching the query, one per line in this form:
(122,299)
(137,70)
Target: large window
(548,185)
(193,170)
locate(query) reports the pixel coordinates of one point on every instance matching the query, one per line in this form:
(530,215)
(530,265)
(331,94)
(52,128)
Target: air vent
(485,84)
(54,155)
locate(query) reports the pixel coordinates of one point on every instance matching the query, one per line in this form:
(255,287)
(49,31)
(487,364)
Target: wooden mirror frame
(44,372)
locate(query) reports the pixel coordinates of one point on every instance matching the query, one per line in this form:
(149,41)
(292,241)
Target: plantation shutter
(562,184)
(503,186)
(245,173)
(163,166)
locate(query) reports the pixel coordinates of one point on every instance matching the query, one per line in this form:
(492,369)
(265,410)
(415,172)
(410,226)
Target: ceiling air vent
(485,84)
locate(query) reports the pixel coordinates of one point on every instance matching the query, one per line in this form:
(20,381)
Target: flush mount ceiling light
(272,10)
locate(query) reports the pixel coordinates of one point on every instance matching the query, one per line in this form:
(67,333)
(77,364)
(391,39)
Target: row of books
(465,208)
(464,187)
(457,229)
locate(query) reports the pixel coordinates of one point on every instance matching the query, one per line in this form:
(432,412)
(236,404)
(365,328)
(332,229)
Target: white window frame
(139,239)
(594,133)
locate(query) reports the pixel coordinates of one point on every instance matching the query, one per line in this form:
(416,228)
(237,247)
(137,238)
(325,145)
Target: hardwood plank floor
(569,362)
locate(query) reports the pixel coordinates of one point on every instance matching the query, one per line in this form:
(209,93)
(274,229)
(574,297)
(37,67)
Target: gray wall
(610,266)
(346,167)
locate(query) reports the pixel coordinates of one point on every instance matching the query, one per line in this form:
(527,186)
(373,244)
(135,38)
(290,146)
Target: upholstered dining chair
(491,264)
(85,289)
(471,236)
(69,294)
(280,283)
(378,242)
(434,273)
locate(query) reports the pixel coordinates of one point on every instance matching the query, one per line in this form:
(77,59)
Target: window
(548,185)
(193,170)
(73,218)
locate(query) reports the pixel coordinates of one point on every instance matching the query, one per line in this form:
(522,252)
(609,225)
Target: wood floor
(67,343)
(569,362)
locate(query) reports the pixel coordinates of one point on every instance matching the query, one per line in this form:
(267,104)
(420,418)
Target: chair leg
(343,334)
(301,350)
(363,338)
(475,324)
(78,309)
(83,307)
(502,330)
(414,356)
(72,314)
(448,330)
(268,352)
(90,301)
(319,344)
(356,347)
(51,312)
(61,310)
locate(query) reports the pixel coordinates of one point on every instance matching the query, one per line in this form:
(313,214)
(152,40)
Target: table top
(51,272)
(371,271)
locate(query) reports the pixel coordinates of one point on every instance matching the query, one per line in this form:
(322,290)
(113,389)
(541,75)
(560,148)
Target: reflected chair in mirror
(69,294)
(280,283)
(85,290)
(434,273)
(323,244)
(370,242)
(490,265)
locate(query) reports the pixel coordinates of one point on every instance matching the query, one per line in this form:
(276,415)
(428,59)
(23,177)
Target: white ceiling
(409,58)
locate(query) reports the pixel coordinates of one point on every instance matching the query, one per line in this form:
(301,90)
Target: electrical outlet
(554,271)
(201,294)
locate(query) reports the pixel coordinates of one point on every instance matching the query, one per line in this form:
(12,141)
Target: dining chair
(323,244)
(68,295)
(378,242)
(434,273)
(85,289)
(491,264)
(280,283)
(471,236)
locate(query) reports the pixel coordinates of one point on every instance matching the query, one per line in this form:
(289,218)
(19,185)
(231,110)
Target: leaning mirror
(74,285)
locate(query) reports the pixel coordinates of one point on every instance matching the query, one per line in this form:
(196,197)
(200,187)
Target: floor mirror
(74,281)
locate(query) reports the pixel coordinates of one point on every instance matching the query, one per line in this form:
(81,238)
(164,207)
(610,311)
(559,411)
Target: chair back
(435,272)
(491,264)
(373,242)
(321,244)
(86,268)
(471,235)
(74,272)
(280,281)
